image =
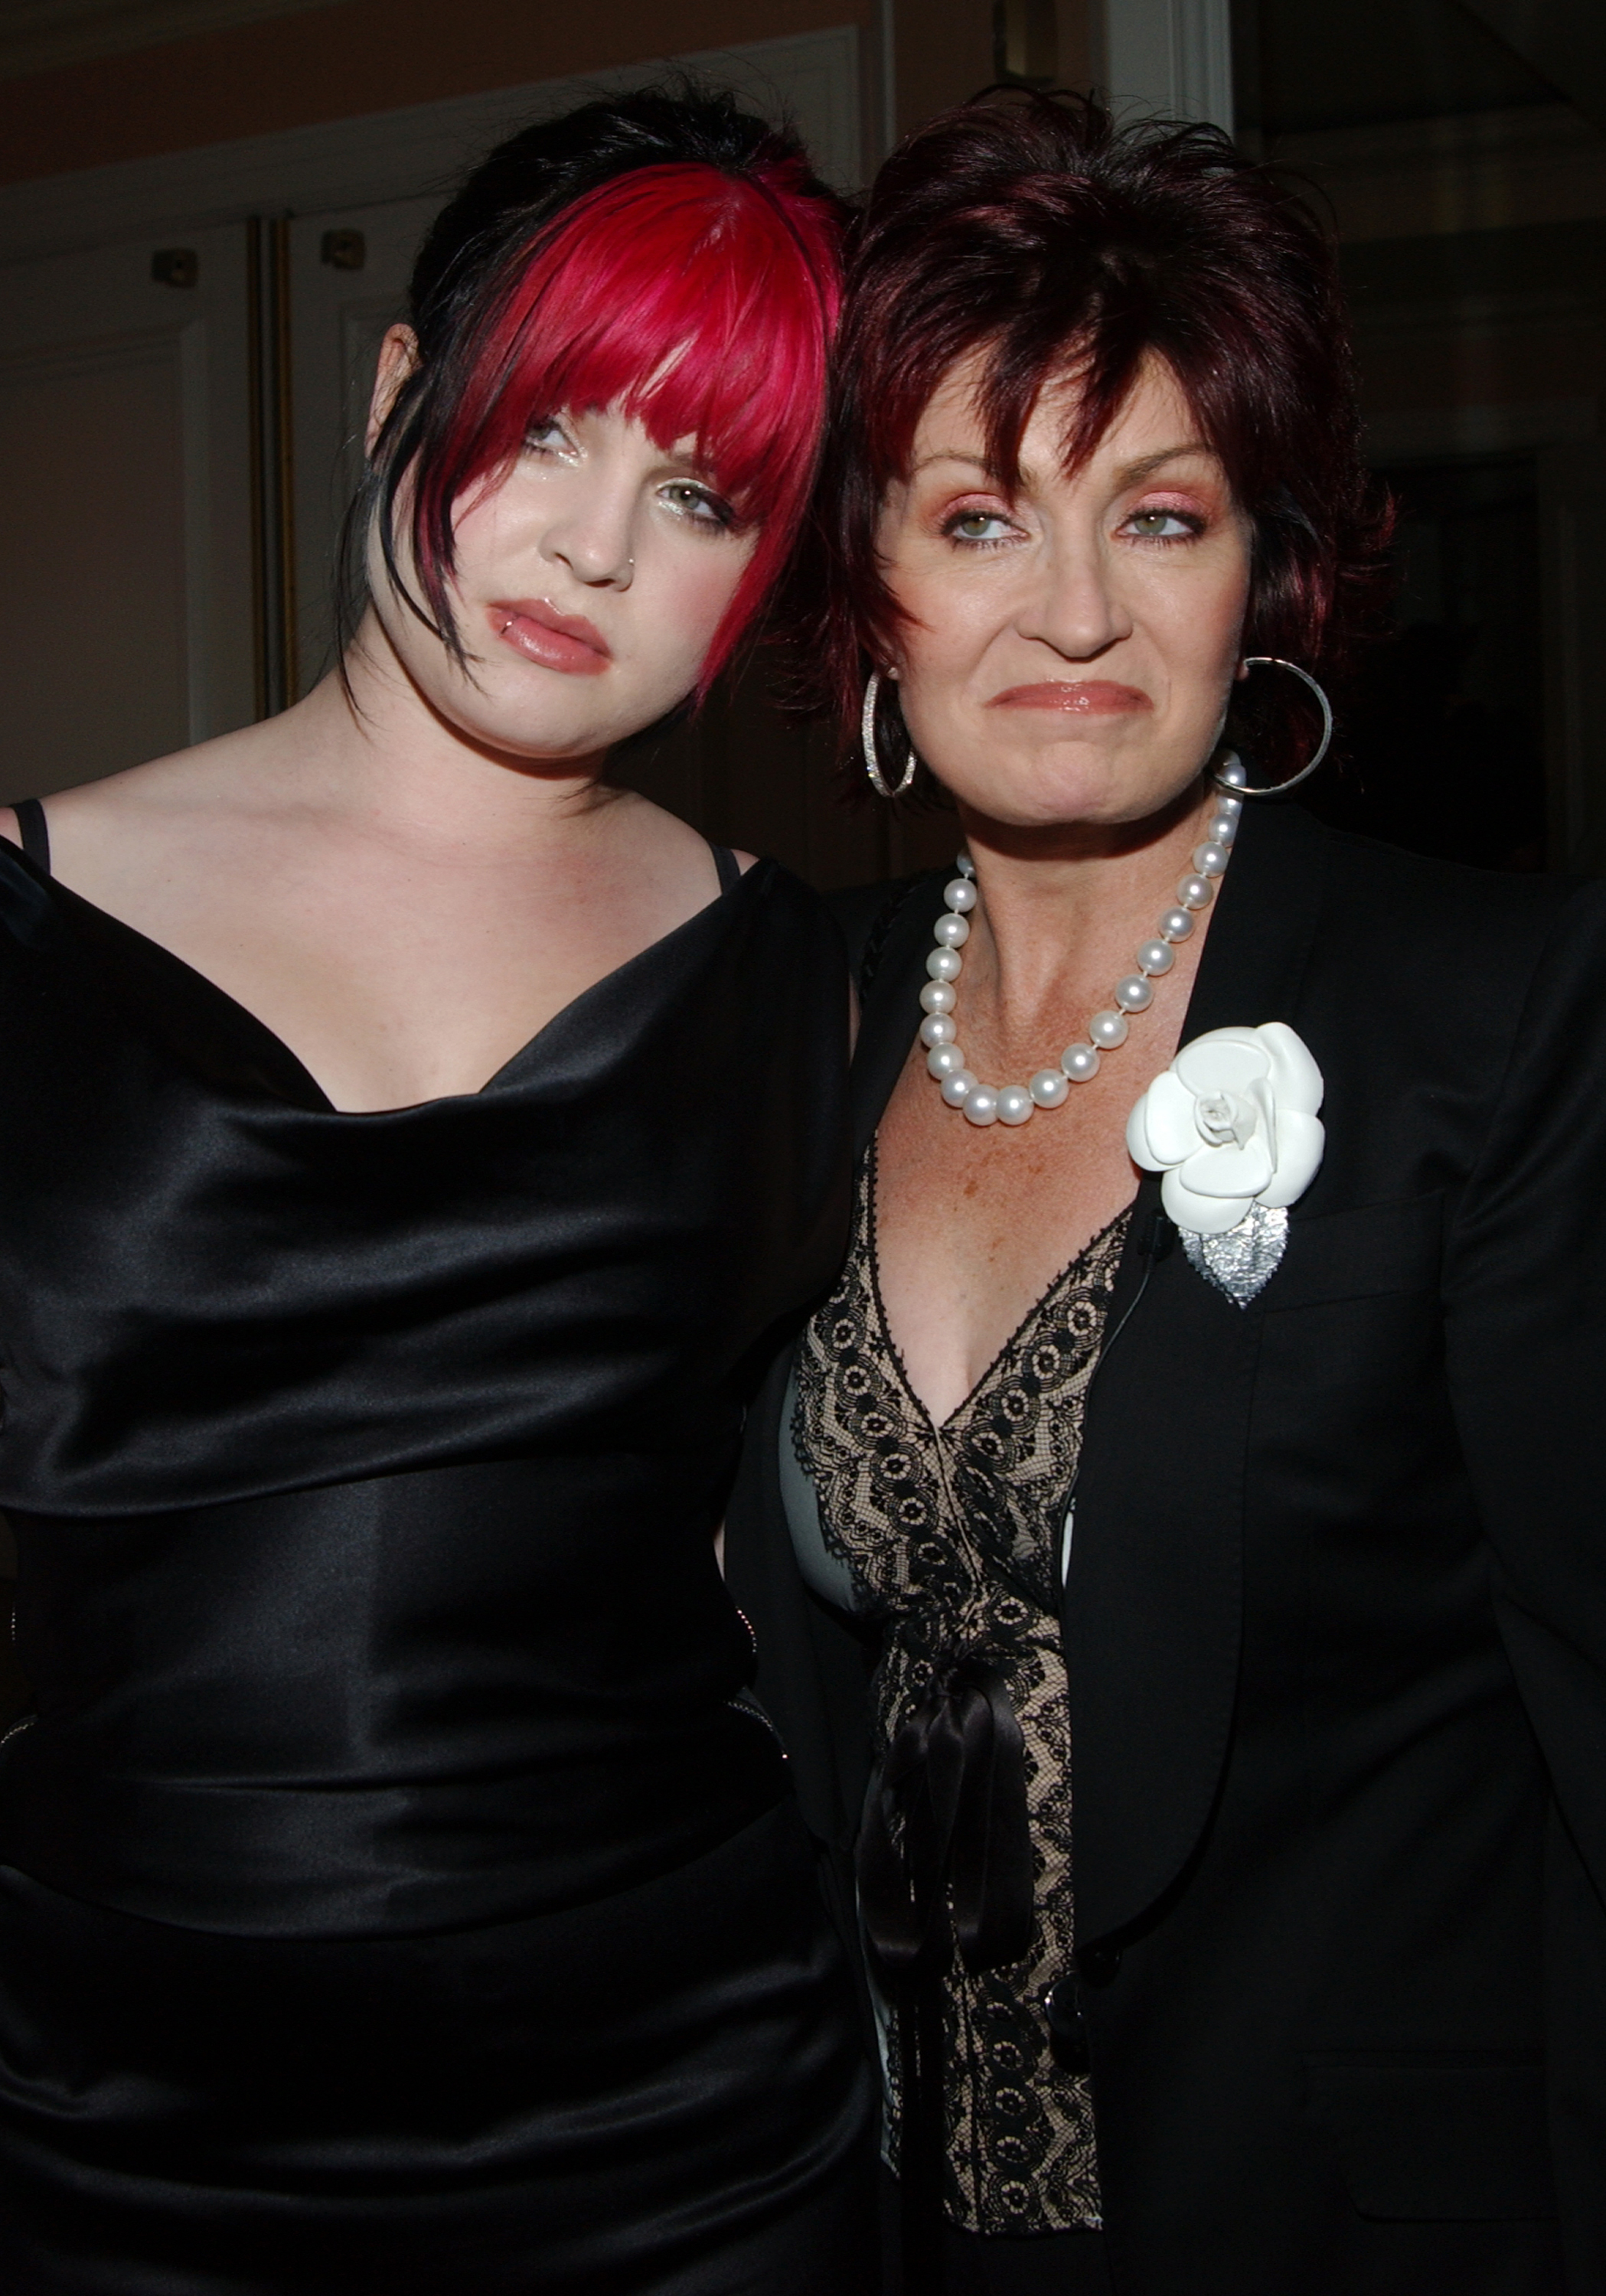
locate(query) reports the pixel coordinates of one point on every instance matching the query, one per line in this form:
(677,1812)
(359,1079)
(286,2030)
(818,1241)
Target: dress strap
(36,831)
(727,865)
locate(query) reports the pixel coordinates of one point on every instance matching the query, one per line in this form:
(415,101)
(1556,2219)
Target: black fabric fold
(364,1468)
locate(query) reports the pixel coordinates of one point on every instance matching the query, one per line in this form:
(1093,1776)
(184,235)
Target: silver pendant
(1243,1261)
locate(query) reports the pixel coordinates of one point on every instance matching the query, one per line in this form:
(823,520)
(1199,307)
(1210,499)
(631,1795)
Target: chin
(1058,794)
(1057,801)
(546,729)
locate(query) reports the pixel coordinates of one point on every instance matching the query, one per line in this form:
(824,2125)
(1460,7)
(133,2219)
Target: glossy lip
(1094,697)
(534,629)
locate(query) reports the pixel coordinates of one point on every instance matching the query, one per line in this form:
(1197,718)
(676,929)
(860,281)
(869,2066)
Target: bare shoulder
(97,808)
(182,778)
(97,828)
(670,849)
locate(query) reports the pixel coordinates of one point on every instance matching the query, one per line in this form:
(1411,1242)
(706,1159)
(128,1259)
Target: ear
(397,359)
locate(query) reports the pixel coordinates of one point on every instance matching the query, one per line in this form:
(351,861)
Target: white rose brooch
(1232,1124)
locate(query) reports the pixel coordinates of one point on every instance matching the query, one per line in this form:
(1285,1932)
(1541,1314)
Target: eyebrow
(686,457)
(1129,474)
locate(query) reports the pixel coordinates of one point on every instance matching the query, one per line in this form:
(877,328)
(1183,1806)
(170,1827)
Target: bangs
(698,304)
(1092,336)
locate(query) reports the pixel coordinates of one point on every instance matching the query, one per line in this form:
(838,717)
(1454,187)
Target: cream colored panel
(127,619)
(93,604)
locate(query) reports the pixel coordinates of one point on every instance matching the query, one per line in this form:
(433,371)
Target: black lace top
(955,1538)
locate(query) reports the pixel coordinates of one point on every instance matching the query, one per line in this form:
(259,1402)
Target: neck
(1053,903)
(372,749)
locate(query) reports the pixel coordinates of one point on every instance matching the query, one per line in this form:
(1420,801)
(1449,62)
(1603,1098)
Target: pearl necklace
(1013,1104)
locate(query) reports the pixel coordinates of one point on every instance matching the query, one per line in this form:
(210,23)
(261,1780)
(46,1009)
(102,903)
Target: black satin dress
(398,1896)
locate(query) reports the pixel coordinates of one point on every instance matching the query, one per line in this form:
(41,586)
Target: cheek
(1198,627)
(685,597)
(949,624)
(486,530)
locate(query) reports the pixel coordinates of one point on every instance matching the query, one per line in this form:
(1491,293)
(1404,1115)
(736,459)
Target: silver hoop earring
(1232,776)
(867,743)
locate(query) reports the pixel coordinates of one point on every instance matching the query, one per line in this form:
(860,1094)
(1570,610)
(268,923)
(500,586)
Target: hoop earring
(1232,777)
(867,743)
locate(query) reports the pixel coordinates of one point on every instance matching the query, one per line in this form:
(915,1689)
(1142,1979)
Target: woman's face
(1072,645)
(588,586)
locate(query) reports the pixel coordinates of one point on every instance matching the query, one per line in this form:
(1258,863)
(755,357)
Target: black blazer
(1335,1616)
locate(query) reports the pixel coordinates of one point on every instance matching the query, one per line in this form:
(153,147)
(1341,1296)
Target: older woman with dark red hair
(1180,1512)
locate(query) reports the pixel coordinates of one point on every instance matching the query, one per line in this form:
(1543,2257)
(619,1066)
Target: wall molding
(423,149)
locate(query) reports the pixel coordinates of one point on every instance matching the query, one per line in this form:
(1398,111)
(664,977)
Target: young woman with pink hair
(398,1892)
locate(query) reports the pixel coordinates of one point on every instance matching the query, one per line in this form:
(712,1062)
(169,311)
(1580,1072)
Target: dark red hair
(694,288)
(1029,228)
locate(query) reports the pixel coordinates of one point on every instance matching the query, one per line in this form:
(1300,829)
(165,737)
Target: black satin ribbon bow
(945,1849)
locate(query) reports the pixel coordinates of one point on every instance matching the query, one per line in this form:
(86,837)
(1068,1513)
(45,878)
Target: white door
(348,277)
(126,622)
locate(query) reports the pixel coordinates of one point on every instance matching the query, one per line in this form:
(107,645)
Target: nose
(594,545)
(1073,604)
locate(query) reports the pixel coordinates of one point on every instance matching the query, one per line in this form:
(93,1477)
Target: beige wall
(331,61)
(358,56)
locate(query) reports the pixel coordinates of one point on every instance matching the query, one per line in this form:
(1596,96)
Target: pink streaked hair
(701,304)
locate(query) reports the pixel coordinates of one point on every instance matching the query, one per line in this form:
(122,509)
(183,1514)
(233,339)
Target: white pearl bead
(1107,1029)
(944,965)
(1156,957)
(1080,1062)
(1049,1088)
(1015,1104)
(1210,860)
(944,1060)
(981,1105)
(958,1086)
(1176,925)
(1221,829)
(937,1030)
(1194,892)
(1232,769)
(964,864)
(1229,808)
(937,996)
(960,894)
(1134,995)
(953,933)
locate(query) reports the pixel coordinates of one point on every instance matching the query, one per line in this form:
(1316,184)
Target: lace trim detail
(953,1536)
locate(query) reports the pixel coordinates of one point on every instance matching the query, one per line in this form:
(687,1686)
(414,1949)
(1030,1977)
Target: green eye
(977,526)
(695,503)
